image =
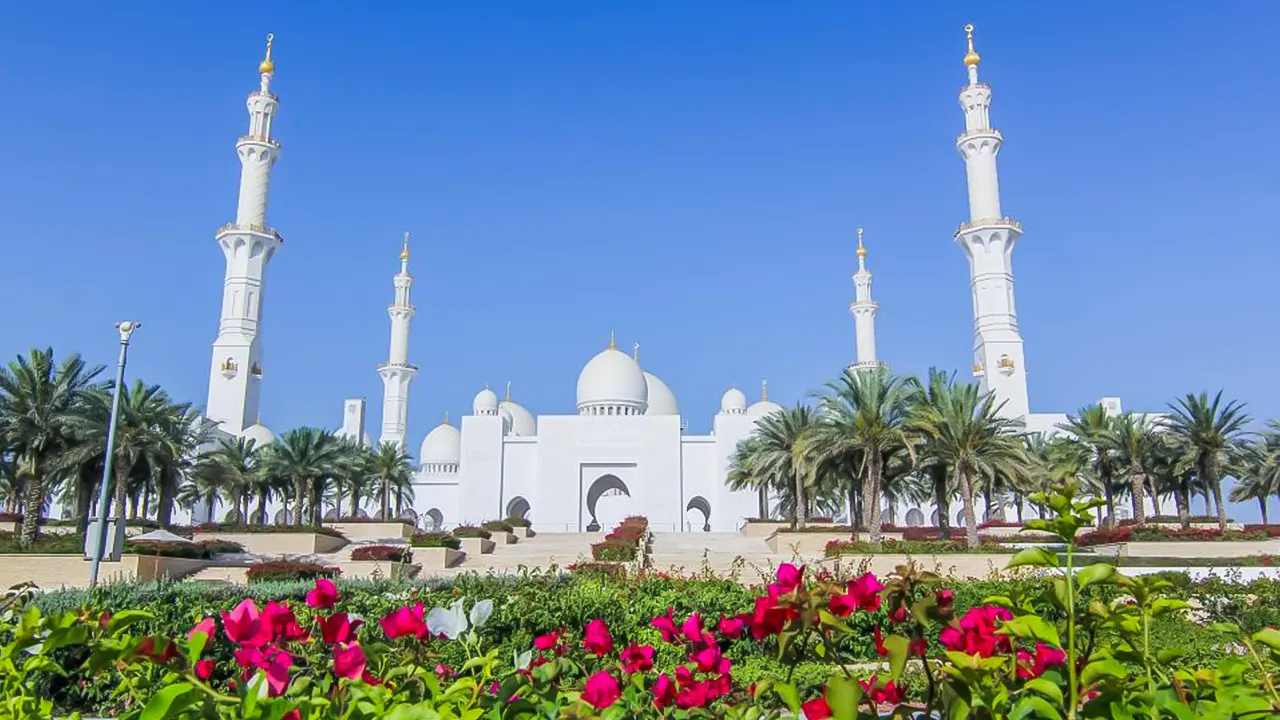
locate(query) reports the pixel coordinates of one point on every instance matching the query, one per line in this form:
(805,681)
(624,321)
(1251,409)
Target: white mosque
(626,451)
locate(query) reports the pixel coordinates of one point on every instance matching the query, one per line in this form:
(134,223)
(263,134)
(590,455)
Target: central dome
(441,449)
(612,383)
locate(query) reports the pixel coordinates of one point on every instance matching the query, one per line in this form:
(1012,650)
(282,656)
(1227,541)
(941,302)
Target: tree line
(54,419)
(873,435)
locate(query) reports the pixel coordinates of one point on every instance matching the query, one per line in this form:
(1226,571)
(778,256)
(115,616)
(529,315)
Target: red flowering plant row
(1271,531)
(383,553)
(286,570)
(1135,533)
(622,544)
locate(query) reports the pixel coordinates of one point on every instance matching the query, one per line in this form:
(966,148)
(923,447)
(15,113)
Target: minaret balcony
(263,93)
(230,228)
(244,139)
(860,365)
(1005,222)
(979,132)
(404,367)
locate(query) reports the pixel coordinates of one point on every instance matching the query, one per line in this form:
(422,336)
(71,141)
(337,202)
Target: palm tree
(935,394)
(389,470)
(1208,427)
(966,431)
(1092,427)
(38,402)
(865,414)
(742,474)
(772,460)
(1131,440)
(234,468)
(307,457)
(1171,469)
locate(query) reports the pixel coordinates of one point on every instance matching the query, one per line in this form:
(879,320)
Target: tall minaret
(248,245)
(397,373)
(988,239)
(864,312)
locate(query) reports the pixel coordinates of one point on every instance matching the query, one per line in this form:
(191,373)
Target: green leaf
(1168,655)
(1166,605)
(1096,574)
(1031,627)
(1097,670)
(1060,593)
(1034,706)
(166,702)
(1034,557)
(1227,628)
(789,695)
(898,647)
(125,618)
(843,695)
(1046,688)
(1269,637)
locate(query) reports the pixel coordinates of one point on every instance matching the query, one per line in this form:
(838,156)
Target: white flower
(450,623)
(481,612)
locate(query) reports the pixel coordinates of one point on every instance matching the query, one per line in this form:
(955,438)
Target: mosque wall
(520,479)
(480,467)
(700,501)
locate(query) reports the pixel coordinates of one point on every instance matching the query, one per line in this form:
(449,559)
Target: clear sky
(687,174)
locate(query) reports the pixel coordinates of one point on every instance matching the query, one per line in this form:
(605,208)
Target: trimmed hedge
(383,553)
(836,548)
(289,570)
(518,522)
(1159,534)
(471,531)
(497,526)
(435,539)
(266,529)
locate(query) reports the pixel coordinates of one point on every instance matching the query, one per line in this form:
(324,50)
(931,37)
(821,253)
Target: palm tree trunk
(1262,505)
(262,507)
(386,498)
(1111,504)
(1215,484)
(355,501)
(146,501)
(966,497)
(1182,498)
(1155,498)
(299,499)
(802,502)
(1017,506)
(871,494)
(399,504)
(1137,482)
(941,498)
(84,497)
(33,499)
(164,499)
(762,502)
(122,489)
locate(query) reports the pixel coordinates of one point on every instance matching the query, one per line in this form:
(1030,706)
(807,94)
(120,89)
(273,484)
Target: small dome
(486,403)
(259,434)
(522,421)
(763,408)
(733,402)
(613,380)
(441,446)
(660,398)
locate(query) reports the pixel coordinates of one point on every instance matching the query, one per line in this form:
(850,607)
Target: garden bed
(373,529)
(1189,548)
(277,542)
(71,570)
(836,548)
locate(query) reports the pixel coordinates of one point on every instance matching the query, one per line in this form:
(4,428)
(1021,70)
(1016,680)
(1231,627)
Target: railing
(980,131)
(978,85)
(251,227)
(255,138)
(259,93)
(984,222)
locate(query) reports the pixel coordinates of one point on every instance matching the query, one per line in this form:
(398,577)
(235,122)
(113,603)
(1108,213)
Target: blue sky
(687,174)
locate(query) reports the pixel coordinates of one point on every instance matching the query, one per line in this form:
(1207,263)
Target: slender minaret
(397,373)
(864,312)
(248,245)
(988,239)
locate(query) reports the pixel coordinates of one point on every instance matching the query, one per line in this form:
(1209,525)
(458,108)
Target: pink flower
(709,659)
(887,694)
(1033,666)
(204,669)
(770,617)
(348,661)
(666,624)
(546,642)
(277,668)
(733,627)
(244,625)
(816,709)
(946,601)
(866,592)
(881,650)
(664,692)
(596,639)
(294,714)
(691,628)
(282,622)
(693,695)
(338,628)
(899,615)
(918,647)
(406,621)
(369,678)
(976,634)
(602,690)
(324,595)
(206,626)
(444,672)
(789,577)
(636,658)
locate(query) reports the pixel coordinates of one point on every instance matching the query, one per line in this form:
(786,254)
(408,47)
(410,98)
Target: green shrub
(69,544)
(287,570)
(836,548)
(218,546)
(471,531)
(435,539)
(614,551)
(238,528)
(518,522)
(384,553)
(497,526)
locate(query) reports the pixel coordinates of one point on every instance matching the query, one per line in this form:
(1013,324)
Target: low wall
(362,569)
(278,543)
(522,532)
(763,529)
(1190,549)
(803,543)
(374,531)
(476,546)
(437,558)
(51,572)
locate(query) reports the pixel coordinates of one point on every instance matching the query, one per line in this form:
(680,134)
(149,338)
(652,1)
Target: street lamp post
(126,329)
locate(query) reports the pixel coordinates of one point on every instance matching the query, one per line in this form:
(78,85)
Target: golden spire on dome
(612,345)
(508,398)
(971,59)
(862,250)
(635,352)
(267,67)
(445,421)
(404,254)
(764,391)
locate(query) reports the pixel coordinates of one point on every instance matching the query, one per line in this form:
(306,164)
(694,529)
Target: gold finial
(259,420)
(971,58)
(404,254)
(764,390)
(267,67)
(508,398)
(862,251)
(635,352)
(612,345)
(445,421)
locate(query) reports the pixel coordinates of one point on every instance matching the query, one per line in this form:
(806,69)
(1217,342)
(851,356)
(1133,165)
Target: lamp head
(126,329)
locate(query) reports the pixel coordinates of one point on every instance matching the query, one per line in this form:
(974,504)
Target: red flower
(244,625)
(596,639)
(370,679)
(277,668)
(881,650)
(664,692)
(769,617)
(733,627)
(404,622)
(324,595)
(918,647)
(1033,666)
(283,624)
(338,628)
(666,624)
(899,615)
(976,634)
(887,694)
(204,669)
(294,714)
(444,672)
(691,628)
(205,626)
(710,660)
(693,695)
(348,661)
(147,649)
(946,599)
(816,709)
(866,592)
(789,577)
(602,690)
(546,642)
(636,658)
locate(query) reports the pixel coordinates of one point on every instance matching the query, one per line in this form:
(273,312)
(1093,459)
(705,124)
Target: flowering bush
(353,520)
(241,528)
(1134,533)
(1271,531)
(999,522)
(435,539)
(384,553)
(283,570)
(471,531)
(615,550)
(1173,520)
(836,548)
(610,570)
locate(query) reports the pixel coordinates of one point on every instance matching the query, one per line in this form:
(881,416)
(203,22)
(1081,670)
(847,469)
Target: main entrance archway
(608,499)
